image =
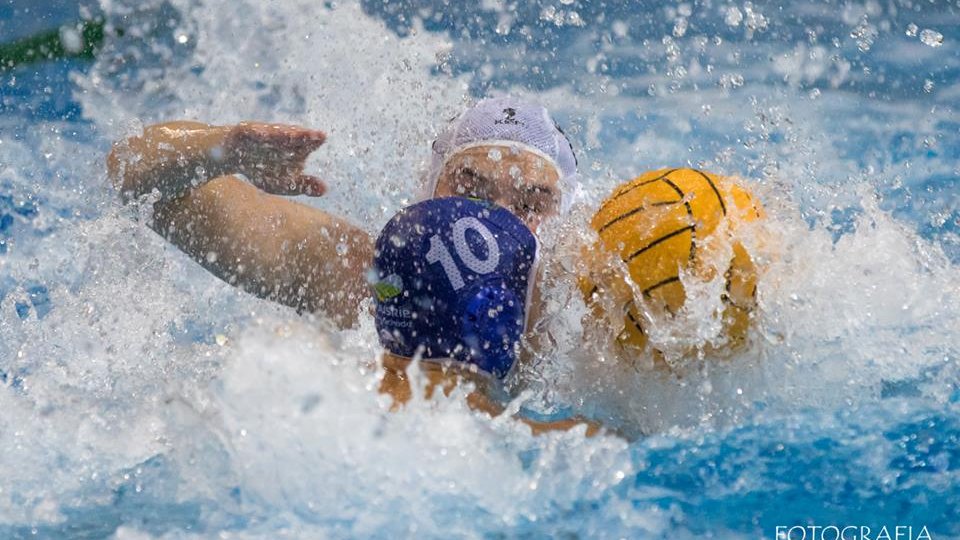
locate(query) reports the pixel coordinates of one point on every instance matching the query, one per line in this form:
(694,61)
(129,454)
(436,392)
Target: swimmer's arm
(480,402)
(396,384)
(270,246)
(267,245)
(173,157)
(539,427)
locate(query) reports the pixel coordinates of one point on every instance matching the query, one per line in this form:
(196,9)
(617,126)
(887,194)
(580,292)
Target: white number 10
(438,252)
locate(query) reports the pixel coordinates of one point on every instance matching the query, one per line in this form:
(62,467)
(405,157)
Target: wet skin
(519,180)
(247,232)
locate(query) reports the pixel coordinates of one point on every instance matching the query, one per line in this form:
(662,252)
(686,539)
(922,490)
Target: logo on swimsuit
(394,313)
(389,288)
(509,115)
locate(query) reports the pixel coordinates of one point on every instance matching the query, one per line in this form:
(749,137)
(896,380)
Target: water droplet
(912,30)
(755,20)
(928,86)
(865,34)
(931,38)
(494,154)
(342,248)
(731,80)
(620,29)
(733,16)
(680,27)
(71,39)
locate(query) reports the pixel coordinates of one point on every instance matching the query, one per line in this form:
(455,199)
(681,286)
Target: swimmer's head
(507,151)
(451,280)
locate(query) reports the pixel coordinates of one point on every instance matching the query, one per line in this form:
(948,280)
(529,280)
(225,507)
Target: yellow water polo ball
(659,225)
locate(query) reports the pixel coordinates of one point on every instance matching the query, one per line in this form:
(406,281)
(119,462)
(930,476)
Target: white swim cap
(508,120)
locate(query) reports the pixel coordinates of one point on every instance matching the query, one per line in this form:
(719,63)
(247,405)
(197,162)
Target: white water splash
(271,422)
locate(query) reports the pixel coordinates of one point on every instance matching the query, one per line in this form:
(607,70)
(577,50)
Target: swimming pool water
(142,398)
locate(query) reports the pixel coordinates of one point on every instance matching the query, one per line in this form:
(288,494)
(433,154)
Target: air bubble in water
(928,86)
(931,38)
(912,30)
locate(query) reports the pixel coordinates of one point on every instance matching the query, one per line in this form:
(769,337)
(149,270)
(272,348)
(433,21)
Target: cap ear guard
(576,162)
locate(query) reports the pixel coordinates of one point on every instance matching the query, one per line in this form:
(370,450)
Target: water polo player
(452,281)
(246,232)
(503,150)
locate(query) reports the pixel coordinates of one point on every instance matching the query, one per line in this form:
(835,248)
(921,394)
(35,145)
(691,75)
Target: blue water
(142,398)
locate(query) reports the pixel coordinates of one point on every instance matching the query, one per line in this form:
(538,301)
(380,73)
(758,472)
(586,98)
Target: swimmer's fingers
(262,149)
(311,186)
(308,139)
(295,184)
(272,157)
(261,137)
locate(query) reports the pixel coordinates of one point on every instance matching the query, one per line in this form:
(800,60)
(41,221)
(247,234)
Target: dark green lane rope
(49,46)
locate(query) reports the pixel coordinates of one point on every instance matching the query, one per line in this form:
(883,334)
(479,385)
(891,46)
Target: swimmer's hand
(272,157)
(538,427)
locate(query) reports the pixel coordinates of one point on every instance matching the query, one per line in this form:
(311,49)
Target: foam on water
(143,398)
